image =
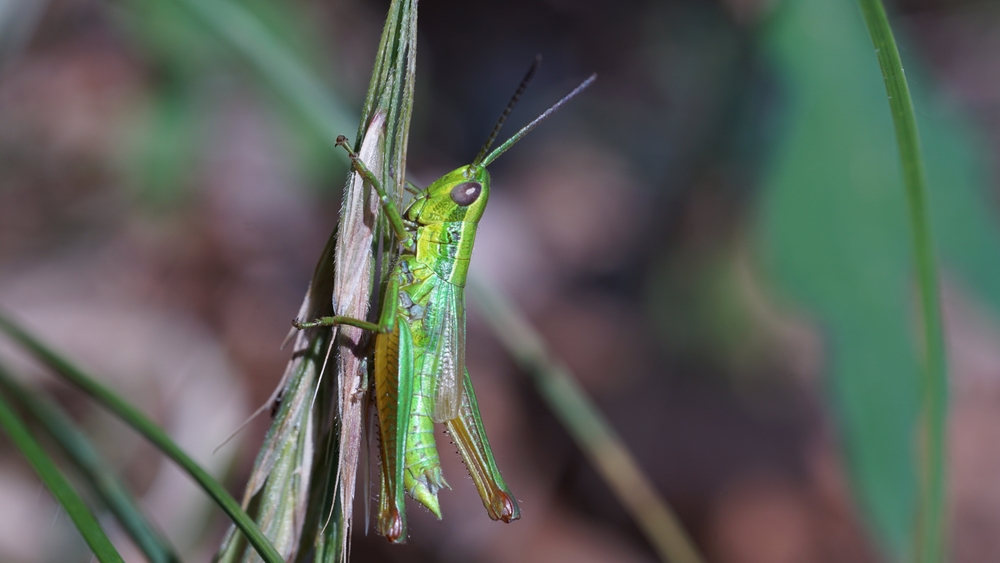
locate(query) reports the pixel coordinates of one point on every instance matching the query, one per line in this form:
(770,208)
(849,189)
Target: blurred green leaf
(701,308)
(166,149)
(92,466)
(84,519)
(191,43)
(281,67)
(174,42)
(836,239)
(142,424)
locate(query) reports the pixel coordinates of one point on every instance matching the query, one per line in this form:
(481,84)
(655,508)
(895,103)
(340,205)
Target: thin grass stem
(930,533)
(588,427)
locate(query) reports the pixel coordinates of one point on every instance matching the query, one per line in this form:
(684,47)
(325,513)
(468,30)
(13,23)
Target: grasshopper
(420,374)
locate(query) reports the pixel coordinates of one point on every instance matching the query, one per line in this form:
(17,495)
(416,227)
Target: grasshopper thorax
(459,196)
(447,215)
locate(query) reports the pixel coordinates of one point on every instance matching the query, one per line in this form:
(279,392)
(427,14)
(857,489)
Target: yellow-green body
(429,367)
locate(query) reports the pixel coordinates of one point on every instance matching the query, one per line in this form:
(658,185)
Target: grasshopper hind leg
(469,436)
(391,521)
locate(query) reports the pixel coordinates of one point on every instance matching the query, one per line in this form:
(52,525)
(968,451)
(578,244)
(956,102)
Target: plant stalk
(930,532)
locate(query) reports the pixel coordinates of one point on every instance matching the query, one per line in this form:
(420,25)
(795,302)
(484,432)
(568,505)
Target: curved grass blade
(89,463)
(588,427)
(929,542)
(56,483)
(142,424)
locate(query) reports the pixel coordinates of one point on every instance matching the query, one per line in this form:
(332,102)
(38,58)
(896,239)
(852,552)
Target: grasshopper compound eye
(466,193)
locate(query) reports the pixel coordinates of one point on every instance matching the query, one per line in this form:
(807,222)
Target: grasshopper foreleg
(340,320)
(391,211)
(386,321)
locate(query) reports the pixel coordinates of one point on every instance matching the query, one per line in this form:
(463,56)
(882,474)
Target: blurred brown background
(161,212)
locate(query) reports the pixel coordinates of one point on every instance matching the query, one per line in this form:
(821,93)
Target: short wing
(445,324)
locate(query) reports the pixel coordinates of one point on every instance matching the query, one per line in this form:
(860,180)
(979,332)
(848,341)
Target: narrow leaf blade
(58,485)
(142,424)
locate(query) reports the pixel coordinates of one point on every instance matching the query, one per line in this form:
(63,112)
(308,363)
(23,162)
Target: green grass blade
(142,424)
(60,487)
(588,427)
(934,388)
(89,463)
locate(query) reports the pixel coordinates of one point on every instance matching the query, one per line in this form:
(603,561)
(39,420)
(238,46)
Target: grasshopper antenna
(545,115)
(508,109)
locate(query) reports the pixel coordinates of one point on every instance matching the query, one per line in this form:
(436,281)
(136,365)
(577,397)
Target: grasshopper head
(461,195)
(458,196)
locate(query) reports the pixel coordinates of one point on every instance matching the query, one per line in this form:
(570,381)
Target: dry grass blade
(278,491)
(303,483)
(386,123)
(351,296)
(383,150)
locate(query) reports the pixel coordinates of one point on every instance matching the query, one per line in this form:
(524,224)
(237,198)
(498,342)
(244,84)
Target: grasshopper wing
(448,348)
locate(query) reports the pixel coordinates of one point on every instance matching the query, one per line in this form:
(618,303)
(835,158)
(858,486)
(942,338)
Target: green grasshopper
(420,373)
